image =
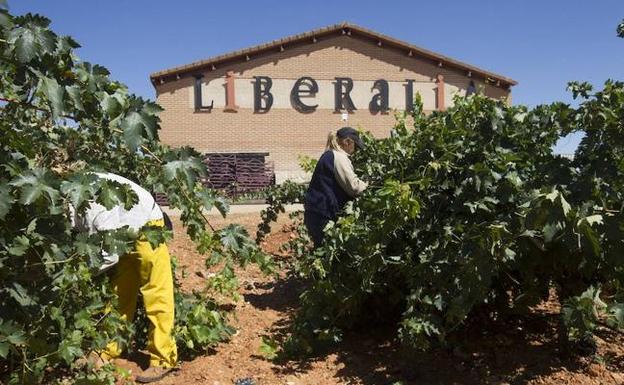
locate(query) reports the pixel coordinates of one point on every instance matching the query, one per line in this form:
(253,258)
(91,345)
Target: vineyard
(470,220)
(470,215)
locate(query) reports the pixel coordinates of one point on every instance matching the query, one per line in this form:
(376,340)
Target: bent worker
(145,269)
(333,183)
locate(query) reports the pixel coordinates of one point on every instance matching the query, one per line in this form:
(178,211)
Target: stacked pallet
(239,173)
(235,174)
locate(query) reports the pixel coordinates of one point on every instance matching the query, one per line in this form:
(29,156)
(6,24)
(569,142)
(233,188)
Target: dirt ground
(517,352)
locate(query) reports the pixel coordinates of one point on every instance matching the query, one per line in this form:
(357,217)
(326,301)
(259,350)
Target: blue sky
(541,44)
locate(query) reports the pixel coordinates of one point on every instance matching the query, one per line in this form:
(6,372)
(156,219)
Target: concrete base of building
(296,176)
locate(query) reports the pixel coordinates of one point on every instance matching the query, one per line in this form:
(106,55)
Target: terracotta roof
(342,28)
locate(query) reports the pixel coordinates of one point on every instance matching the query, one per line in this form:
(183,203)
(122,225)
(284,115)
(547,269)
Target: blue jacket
(333,184)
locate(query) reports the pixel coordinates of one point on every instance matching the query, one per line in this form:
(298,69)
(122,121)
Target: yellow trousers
(147,270)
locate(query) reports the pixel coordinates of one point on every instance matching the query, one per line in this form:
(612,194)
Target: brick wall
(283,132)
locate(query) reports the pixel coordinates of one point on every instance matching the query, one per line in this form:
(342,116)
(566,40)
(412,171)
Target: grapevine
(61,119)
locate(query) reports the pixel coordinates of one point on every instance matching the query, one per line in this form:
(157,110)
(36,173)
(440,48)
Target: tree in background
(60,119)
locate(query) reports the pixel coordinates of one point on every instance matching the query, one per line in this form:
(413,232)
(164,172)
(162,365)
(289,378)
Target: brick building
(283,97)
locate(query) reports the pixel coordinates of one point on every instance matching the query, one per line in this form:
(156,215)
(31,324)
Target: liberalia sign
(303,92)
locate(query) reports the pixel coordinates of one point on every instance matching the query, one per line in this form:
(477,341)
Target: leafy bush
(470,208)
(277,197)
(60,119)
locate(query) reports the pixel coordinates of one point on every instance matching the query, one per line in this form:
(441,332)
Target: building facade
(282,98)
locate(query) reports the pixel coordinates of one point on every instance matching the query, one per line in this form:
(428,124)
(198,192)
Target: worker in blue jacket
(333,183)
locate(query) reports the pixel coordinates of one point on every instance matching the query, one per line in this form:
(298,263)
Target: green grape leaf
(69,349)
(110,105)
(26,44)
(112,193)
(17,338)
(19,294)
(75,96)
(222,205)
(79,188)
(133,128)
(6,200)
(55,94)
(34,185)
(269,348)
(5,21)
(19,245)
(233,236)
(156,235)
(207,198)
(189,169)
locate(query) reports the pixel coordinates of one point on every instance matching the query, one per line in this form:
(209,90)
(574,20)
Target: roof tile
(355,29)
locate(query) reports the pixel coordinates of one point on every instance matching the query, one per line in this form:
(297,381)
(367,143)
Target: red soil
(522,352)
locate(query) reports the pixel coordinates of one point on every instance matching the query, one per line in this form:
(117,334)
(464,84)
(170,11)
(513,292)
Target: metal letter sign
(299,90)
(262,88)
(342,99)
(379,102)
(305,89)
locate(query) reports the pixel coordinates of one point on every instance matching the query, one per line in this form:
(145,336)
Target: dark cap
(350,132)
